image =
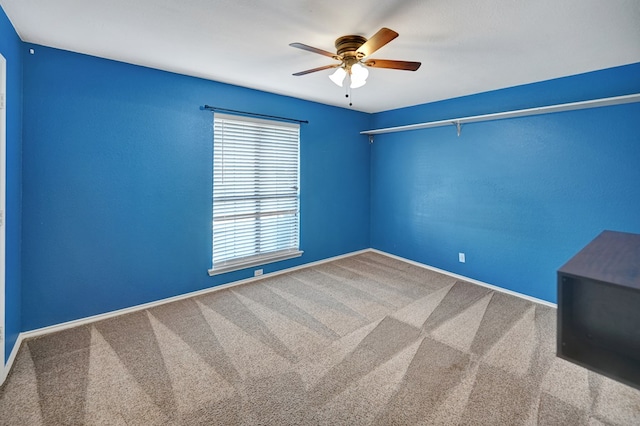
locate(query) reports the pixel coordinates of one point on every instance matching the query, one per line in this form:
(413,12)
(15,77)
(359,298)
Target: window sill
(255,262)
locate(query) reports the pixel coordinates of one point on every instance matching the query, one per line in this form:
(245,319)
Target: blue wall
(10,47)
(118,180)
(518,196)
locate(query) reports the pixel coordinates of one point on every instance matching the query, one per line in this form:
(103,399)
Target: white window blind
(255,192)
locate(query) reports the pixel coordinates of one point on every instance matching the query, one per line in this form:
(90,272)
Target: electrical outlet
(257,272)
(461,257)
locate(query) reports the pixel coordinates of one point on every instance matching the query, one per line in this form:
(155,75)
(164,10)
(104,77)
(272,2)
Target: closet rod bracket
(458,127)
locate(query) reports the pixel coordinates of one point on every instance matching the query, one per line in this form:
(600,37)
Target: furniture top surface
(611,257)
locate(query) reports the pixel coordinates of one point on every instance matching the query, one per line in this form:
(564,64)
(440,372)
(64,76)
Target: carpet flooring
(365,340)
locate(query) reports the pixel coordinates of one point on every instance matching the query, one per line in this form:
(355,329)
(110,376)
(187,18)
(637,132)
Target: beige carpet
(359,341)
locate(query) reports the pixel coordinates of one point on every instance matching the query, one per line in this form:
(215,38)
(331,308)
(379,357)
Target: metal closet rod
(594,103)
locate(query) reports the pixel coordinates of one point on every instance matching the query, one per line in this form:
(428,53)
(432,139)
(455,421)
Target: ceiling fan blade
(326,67)
(396,65)
(379,39)
(313,50)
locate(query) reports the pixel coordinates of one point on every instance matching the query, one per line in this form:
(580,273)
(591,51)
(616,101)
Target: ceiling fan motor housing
(347,46)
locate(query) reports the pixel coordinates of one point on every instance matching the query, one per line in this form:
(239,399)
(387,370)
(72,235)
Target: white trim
(471,280)
(255,221)
(593,103)
(262,260)
(3,211)
(88,320)
(12,358)
(99,317)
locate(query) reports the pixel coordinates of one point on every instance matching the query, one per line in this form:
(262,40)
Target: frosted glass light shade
(359,72)
(338,76)
(357,83)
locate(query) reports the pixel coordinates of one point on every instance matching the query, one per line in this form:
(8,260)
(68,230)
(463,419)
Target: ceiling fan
(351,51)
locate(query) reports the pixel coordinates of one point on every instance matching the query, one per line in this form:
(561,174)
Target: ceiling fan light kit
(357,73)
(351,50)
(338,76)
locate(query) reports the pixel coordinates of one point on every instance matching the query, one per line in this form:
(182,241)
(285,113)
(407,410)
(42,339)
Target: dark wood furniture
(599,307)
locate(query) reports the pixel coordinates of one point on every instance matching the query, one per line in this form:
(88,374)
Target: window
(255,192)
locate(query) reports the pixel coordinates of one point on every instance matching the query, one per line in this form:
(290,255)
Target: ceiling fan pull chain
(347,92)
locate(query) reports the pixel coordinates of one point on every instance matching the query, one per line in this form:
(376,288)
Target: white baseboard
(12,358)
(88,320)
(111,314)
(471,280)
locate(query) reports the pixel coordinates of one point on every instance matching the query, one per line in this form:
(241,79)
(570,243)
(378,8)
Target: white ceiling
(465,46)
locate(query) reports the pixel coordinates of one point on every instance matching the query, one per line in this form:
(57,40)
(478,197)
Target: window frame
(290,250)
